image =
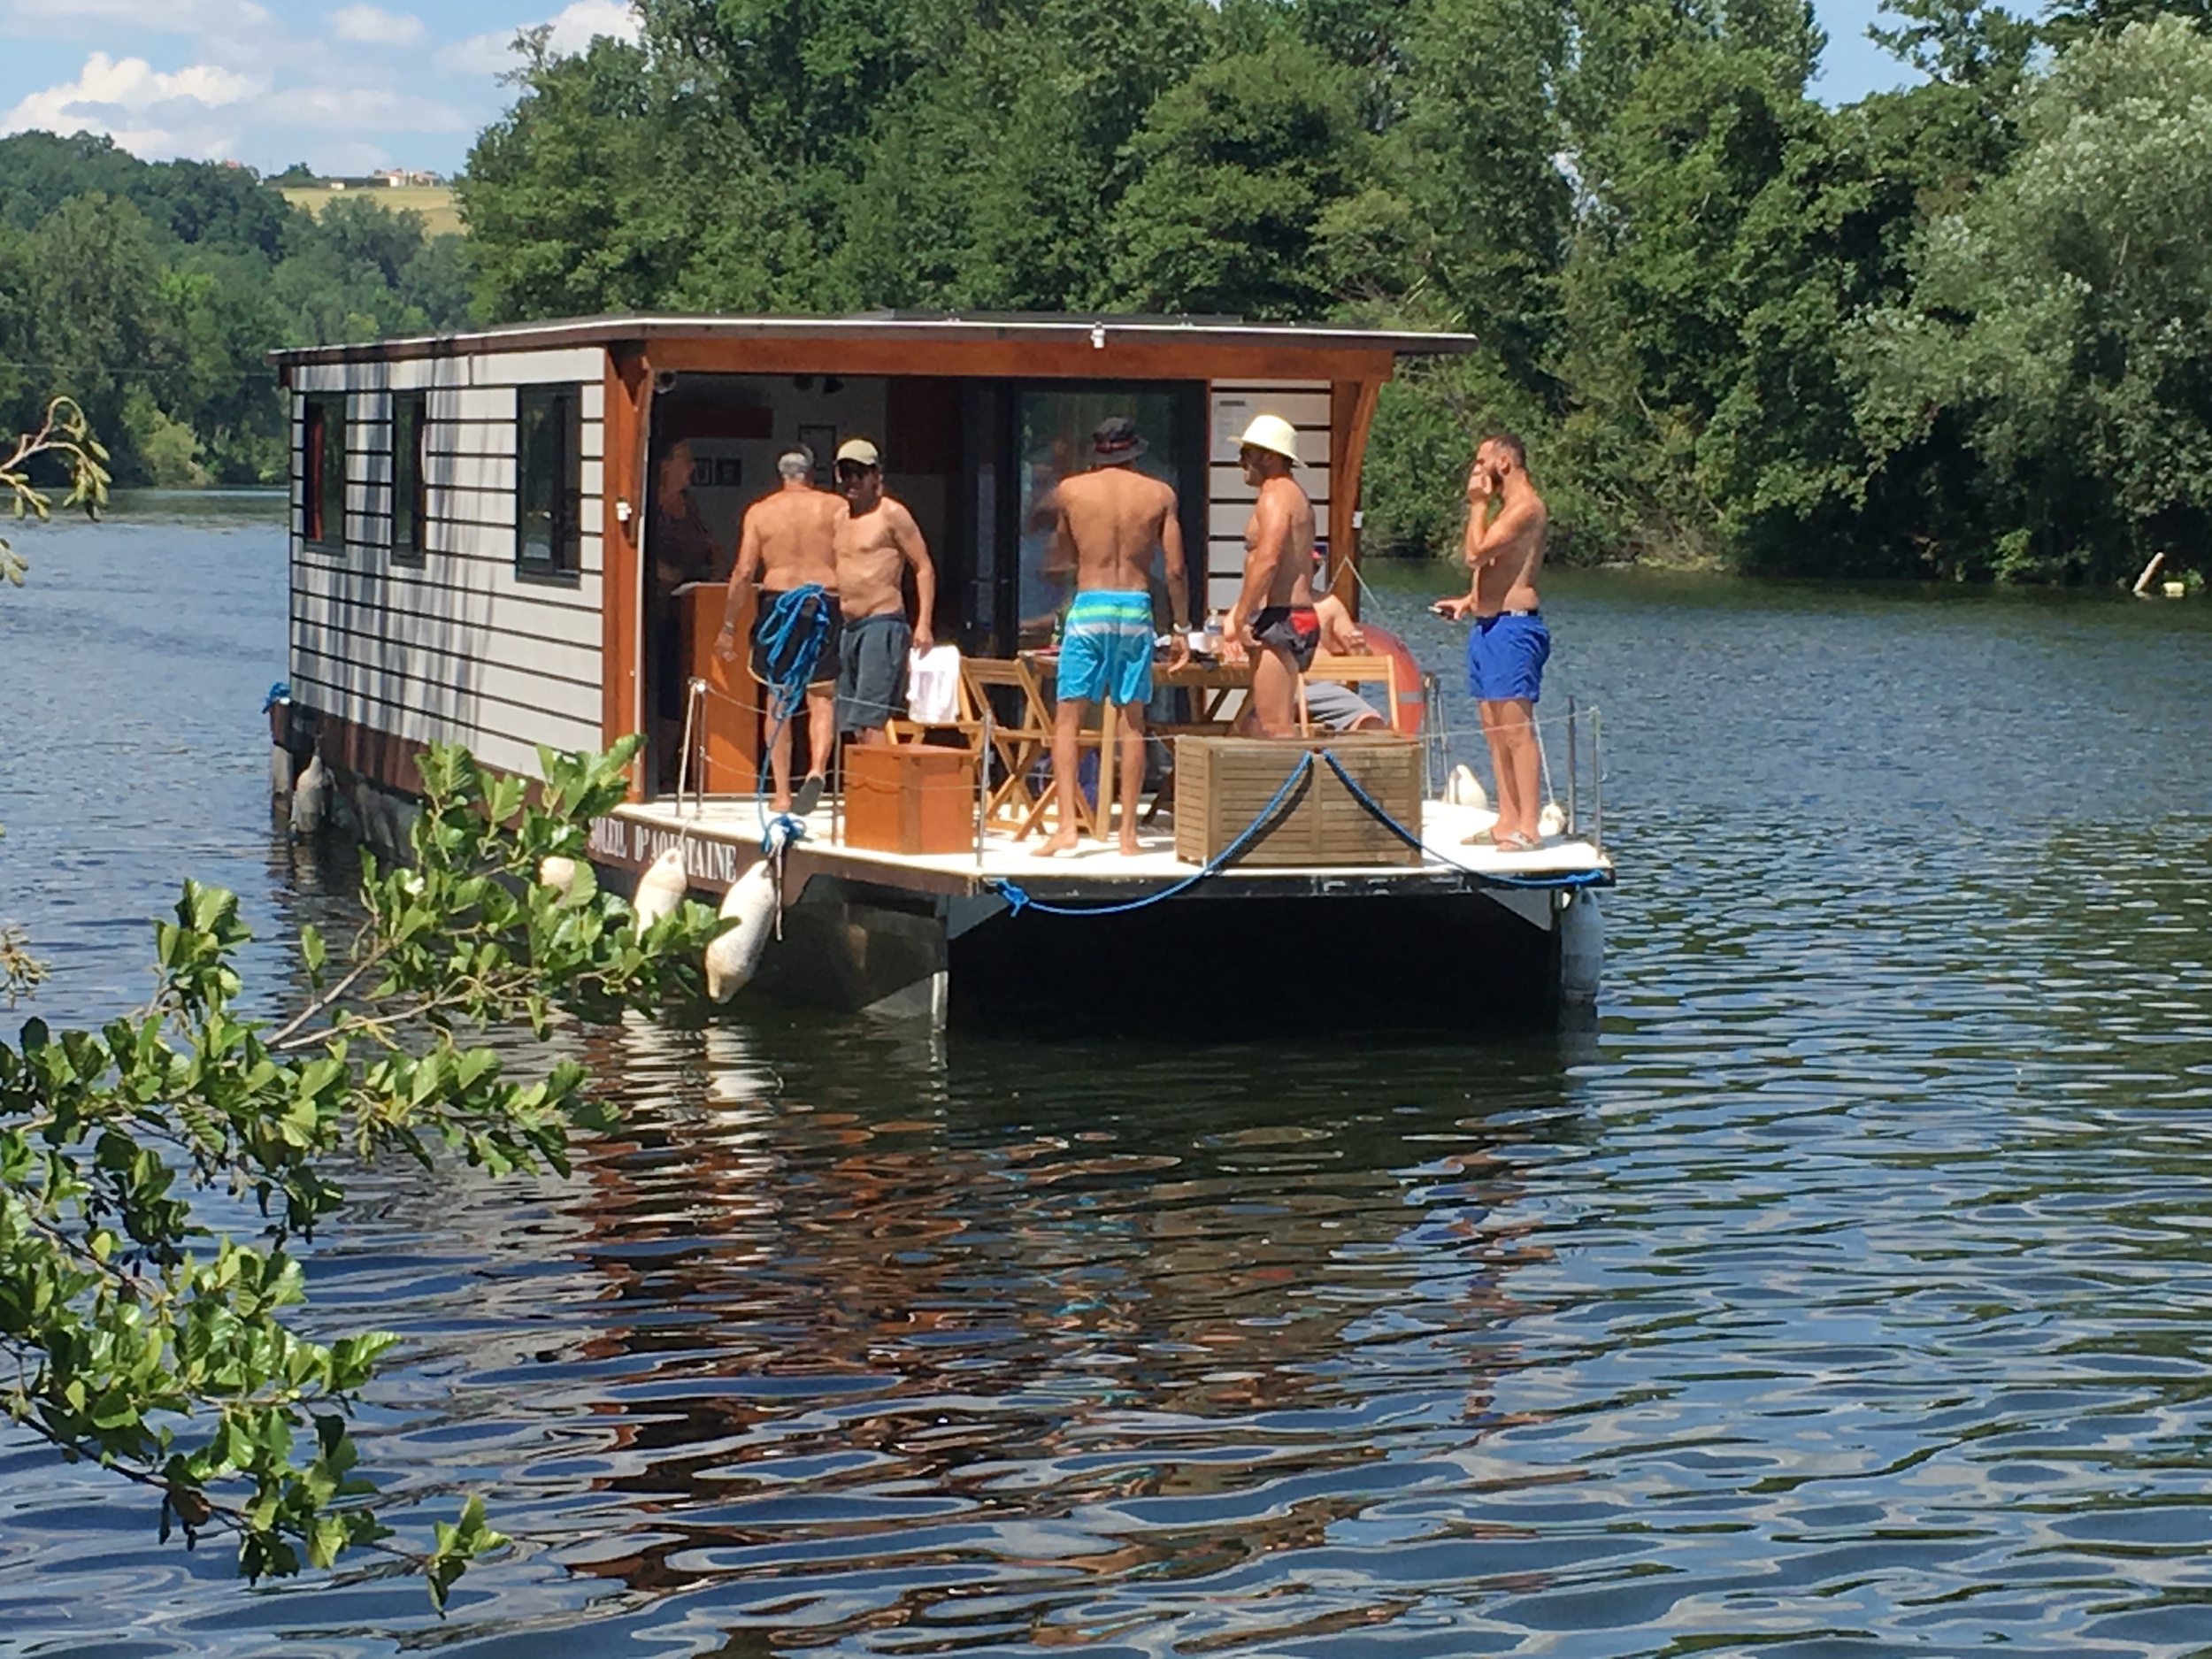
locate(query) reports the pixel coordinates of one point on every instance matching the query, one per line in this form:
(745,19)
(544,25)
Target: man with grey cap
(1274,617)
(1112,517)
(787,545)
(877,542)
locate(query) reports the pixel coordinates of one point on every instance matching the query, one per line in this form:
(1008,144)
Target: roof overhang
(883,328)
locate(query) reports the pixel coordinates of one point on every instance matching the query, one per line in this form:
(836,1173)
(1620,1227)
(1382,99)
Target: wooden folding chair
(1018,743)
(1349,670)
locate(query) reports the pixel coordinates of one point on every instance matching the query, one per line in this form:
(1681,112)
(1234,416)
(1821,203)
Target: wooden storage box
(1222,783)
(910,798)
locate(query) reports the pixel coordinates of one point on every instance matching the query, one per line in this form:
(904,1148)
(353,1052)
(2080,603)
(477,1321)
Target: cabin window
(549,531)
(408,498)
(323,473)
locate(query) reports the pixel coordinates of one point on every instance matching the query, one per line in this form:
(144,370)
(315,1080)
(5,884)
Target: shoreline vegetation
(1951,332)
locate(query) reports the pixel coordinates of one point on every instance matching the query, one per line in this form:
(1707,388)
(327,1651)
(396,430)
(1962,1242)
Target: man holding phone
(1507,651)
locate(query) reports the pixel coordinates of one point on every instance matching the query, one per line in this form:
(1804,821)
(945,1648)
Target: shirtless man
(787,545)
(1507,650)
(877,542)
(1109,518)
(1273,616)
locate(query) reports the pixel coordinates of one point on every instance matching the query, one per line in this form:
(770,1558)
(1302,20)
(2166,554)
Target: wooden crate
(910,798)
(1222,783)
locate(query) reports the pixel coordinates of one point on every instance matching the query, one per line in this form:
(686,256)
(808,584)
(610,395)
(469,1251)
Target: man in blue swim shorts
(1111,518)
(1507,650)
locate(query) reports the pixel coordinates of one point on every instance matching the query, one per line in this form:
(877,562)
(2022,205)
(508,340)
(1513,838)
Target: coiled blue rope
(797,621)
(1018,900)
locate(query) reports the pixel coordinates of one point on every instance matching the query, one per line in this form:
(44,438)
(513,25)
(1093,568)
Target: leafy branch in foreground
(67,434)
(141,1337)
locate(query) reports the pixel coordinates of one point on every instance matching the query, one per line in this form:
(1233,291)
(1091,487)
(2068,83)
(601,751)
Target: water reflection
(1846,1292)
(1018,1329)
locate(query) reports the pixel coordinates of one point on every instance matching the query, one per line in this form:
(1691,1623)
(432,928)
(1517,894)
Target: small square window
(409,498)
(323,473)
(548,482)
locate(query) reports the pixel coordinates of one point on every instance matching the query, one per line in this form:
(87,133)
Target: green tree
(1235,169)
(2058,318)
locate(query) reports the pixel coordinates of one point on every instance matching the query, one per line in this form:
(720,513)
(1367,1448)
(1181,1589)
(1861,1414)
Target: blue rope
(1018,900)
(1563,878)
(803,607)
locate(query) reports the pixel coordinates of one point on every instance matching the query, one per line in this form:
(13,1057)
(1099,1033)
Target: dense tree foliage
(1735,323)
(149,294)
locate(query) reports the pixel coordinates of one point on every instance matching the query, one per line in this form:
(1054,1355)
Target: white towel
(933,686)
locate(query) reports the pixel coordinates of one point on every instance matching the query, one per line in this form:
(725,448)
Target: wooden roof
(887,327)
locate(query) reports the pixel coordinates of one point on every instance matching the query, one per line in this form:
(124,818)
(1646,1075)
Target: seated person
(1330,704)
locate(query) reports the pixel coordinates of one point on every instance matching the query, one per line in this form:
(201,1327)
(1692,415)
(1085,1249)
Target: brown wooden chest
(1222,783)
(910,798)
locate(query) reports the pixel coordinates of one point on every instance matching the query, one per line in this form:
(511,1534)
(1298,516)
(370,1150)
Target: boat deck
(721,836)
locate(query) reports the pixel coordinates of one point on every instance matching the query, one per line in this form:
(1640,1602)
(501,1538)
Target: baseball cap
(859,451)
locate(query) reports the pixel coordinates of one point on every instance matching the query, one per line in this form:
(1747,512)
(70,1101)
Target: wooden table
(1209,683)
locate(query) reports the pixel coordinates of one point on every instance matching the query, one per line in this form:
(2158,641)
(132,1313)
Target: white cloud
(373,25)
(144,110)
(573,28)
(579,21)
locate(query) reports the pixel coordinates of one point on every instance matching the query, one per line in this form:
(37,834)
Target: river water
(1848,1293)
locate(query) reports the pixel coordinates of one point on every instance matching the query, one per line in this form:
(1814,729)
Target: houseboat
(473,559)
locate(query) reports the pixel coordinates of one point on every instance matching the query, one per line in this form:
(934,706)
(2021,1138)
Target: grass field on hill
(434,203)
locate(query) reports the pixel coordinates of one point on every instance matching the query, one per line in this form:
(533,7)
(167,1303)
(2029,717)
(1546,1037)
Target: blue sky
(346,86)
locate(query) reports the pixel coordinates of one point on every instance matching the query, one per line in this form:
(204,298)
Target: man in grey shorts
(877,542)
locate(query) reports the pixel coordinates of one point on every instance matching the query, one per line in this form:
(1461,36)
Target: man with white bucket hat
(1274,617)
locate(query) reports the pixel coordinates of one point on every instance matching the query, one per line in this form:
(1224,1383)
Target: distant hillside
(434,203)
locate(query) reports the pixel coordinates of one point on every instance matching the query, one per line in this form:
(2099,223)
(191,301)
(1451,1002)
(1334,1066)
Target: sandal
(1514,842)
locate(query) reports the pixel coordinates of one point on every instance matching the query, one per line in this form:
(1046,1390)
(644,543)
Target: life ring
(1409,709)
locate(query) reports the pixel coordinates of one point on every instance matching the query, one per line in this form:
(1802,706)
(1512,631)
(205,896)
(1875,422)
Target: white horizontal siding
(582,364)
(436,677)
(412,602)
(500,747)
(459,647)
(1233,404)
(585,365)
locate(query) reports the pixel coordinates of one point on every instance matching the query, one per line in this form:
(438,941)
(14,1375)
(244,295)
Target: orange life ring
(1411,705)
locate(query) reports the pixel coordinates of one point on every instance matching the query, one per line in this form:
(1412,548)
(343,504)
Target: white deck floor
(737,820)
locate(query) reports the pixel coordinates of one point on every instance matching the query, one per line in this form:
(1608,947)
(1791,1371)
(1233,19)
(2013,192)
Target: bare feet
(1063,841)
(1129,847)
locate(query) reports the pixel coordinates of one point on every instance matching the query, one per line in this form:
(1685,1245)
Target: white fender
(557,872)
(1581,948)
(734,957)
(311,799)
(660,889)
(1463,788)
(1551,821)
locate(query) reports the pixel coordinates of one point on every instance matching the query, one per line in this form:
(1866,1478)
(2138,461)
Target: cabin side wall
(1231,406)
(462,646)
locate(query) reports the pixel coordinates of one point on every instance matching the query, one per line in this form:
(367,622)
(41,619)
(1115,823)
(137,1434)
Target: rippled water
(1848,1294)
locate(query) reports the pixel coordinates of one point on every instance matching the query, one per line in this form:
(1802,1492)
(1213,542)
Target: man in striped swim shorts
(1111,518)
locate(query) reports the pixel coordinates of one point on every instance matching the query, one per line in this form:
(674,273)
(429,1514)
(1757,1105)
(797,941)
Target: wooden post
(1351,412)
(629,391)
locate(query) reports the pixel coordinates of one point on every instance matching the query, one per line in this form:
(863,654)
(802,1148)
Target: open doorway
(715,441)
